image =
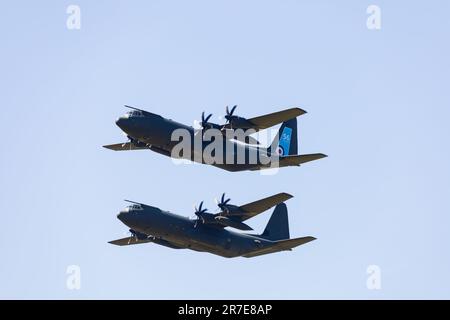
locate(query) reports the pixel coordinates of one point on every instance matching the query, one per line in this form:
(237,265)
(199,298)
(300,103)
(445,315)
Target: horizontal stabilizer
(292,243)
(297,160)
(127,146)
(282,245)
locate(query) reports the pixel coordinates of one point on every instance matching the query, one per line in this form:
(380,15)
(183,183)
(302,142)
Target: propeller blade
(205,120)
(223,201)
(232,110)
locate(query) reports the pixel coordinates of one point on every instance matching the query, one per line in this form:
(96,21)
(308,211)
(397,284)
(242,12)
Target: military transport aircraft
(207,232)
(146,130)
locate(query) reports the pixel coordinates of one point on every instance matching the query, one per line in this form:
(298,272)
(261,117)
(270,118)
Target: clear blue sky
(378,104)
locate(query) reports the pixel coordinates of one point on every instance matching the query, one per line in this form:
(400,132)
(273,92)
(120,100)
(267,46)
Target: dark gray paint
(147,130)
(151,224)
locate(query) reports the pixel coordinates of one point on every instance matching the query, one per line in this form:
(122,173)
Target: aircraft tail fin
(278,226)
(286,141)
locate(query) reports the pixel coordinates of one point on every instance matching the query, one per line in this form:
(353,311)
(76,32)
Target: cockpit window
(134,114)
(136,207)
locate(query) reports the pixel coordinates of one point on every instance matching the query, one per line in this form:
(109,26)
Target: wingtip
(321,156)
(309,239)
(109,147)
(301,111)
(288,195)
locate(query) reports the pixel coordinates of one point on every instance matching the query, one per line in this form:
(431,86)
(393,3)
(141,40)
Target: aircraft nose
(122,215)
(120,122)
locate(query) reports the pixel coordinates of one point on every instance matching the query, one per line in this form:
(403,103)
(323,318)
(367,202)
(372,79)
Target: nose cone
(122,216)
(122,123)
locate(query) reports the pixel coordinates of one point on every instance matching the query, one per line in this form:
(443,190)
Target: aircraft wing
(252,209)
(272,119)
(129,241)
(133,240)
(124,147)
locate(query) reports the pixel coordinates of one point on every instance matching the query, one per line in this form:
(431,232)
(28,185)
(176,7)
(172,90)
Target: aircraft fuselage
(175,231)
(156,133)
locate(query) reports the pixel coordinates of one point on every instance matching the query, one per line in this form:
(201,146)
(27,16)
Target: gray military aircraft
(149,131)
(207,232)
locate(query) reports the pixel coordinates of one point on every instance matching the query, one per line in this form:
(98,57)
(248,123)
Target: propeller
(223,203)
(204,123)
(199,213)
(229,116)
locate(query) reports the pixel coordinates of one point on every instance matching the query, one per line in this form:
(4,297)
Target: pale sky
(378,105)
